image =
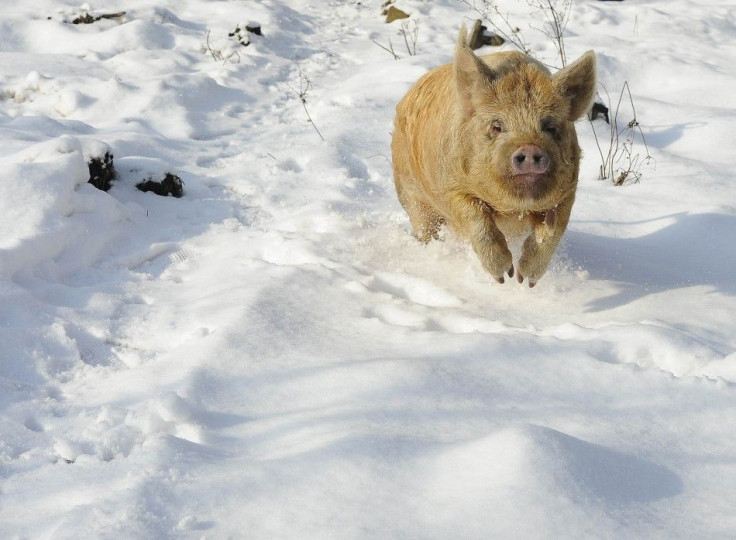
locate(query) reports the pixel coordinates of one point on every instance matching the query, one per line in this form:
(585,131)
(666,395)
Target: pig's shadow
(696,249)
(663,136)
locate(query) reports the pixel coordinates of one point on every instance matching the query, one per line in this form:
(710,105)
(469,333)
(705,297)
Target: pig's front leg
(475,219)
(540,245)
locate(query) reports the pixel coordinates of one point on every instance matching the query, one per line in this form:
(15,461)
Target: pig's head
(515,124)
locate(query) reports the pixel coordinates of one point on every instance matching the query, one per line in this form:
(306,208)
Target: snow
(274,356)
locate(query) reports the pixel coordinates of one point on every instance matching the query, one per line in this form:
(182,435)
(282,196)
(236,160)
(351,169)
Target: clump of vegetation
(623,160)
(241,35)
(88,18)
(102,171)
(170,185)
(217,54)
(410,32)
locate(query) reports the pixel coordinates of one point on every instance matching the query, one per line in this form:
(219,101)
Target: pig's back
(423,117)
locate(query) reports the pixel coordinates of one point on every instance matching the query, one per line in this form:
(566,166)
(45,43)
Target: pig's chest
(514,223)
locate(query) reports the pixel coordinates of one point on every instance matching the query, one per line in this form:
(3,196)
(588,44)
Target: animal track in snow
(651,344)
(291,252)
(116,432)
(396,316)
(462,324)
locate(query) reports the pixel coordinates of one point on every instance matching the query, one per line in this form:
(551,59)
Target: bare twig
(305,85)
(217,55)
(389,49)
(384,156)
(621,162)
(410,36)
(555,12)
(112,15)
(557,15)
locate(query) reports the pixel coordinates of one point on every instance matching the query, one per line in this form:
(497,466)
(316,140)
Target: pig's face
(519,124)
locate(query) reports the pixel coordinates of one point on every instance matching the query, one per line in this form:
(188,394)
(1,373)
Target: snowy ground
(274,356)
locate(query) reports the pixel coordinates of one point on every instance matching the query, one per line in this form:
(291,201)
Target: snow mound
(523,481)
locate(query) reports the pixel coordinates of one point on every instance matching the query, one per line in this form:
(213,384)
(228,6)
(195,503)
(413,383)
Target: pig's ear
(470,72)
(577,83)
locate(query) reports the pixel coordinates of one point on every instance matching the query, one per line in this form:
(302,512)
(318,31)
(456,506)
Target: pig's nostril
(529,159)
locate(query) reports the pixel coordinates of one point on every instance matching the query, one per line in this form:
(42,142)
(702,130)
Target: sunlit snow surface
(274,356)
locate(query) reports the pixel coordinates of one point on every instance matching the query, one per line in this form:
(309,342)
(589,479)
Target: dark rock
(254,28)
(599,110)
(493,40)
(480,36)
(394,14)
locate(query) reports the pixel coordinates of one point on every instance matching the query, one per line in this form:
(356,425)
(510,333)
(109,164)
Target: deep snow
(274,356)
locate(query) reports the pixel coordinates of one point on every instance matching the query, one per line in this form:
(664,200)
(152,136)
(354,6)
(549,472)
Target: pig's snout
(529,159)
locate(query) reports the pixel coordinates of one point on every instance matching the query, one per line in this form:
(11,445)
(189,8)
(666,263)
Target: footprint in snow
(92,350)
(156,266)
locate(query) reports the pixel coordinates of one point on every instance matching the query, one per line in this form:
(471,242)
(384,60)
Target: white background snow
(274,356)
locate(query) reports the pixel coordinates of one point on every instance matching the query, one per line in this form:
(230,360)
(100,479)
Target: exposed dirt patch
(170,185)
(102,171)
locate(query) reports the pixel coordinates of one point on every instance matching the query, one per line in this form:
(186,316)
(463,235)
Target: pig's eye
(496,127)
(549,127)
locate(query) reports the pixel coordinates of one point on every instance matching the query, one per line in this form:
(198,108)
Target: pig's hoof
(511,271)
(520,278)
(499,279)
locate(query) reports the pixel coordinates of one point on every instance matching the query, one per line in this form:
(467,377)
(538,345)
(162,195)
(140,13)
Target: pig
(487,145)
